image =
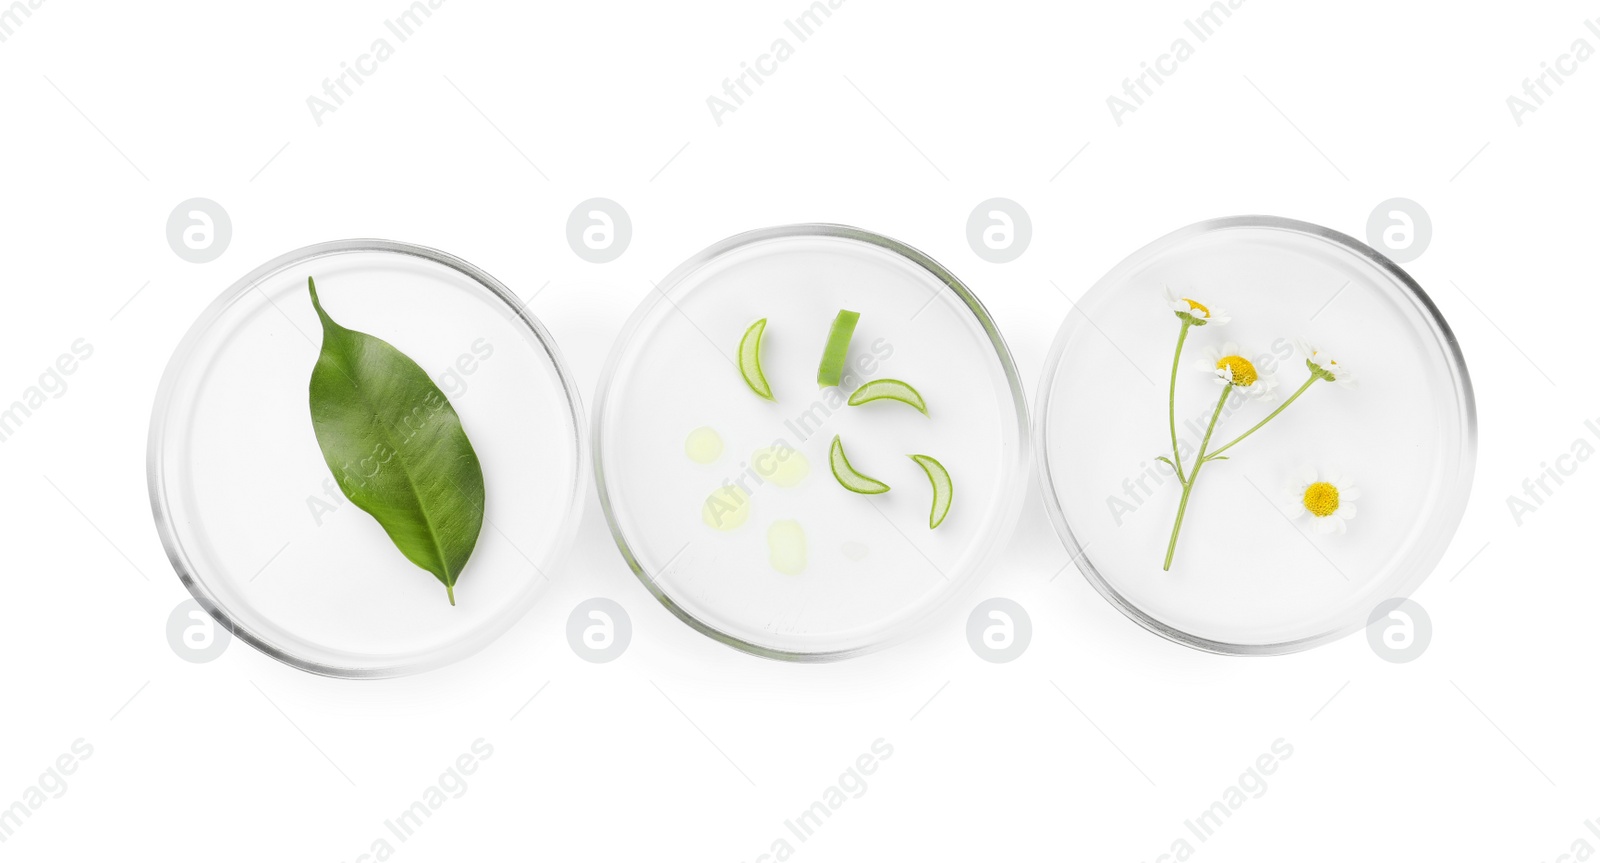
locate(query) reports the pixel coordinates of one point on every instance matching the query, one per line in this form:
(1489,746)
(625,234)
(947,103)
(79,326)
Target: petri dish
(789,564)
(246,506)
(1252,570)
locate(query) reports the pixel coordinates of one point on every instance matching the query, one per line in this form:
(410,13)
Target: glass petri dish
(249,513)
(790,565)
(1250,572)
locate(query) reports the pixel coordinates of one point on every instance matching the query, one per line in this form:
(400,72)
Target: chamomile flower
(1194,312)
(1228,365)
(1324,366)
(1327,498)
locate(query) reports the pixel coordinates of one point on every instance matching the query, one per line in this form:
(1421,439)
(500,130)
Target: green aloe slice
(889,388)
(849,477)
(944,489)
(833,356)
(750,360)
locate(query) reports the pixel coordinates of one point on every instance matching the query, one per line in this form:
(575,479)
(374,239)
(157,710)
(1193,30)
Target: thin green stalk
(1172,410)
(1188,487)
(1172,544)
(1303,387)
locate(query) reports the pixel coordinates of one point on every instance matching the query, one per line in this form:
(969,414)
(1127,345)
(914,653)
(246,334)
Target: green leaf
(397,449)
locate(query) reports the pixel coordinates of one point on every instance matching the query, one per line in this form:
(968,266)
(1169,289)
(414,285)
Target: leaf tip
(316,303)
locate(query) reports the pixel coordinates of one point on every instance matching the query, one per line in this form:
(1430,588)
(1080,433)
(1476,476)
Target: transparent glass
(247,508)
(1247,577)
(872,570)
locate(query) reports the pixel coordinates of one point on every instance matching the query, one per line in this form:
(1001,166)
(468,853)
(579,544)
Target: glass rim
(160,414)
(630,330)
(1466,402)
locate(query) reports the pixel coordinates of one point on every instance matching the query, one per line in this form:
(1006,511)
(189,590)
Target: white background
(1101,739)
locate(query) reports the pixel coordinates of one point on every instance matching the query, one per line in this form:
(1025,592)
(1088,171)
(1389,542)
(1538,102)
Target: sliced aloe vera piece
(750,360)
(944,490)
(848,476)
(889,388)
(833,356)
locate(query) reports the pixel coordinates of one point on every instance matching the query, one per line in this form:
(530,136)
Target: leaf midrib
(411,484)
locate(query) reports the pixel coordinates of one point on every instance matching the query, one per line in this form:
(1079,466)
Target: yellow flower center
(1197,307)
(1243,371)
(1321,499)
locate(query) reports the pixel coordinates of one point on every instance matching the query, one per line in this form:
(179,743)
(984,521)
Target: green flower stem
(1289,401)
(1188,487)
(1172,410)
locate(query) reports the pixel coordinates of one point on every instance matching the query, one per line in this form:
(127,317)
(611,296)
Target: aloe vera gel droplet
(703,446)
(726,508)
(786,547)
